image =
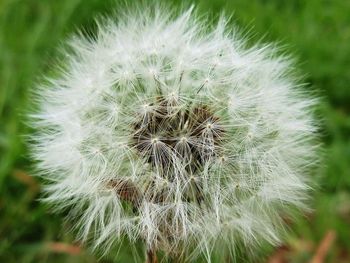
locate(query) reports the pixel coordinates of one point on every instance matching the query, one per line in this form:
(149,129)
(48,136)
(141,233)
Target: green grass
(317,32)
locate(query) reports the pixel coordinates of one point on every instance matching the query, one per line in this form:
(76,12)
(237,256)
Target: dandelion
(162,130)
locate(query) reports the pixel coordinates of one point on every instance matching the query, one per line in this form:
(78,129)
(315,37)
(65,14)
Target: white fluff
(85,125)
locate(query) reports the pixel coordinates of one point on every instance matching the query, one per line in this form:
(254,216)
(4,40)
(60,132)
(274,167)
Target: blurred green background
(317,32)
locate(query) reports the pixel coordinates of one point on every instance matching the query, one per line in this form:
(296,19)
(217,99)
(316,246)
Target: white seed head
(161,131)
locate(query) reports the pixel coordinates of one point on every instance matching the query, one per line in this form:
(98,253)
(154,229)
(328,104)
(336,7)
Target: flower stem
(151,256)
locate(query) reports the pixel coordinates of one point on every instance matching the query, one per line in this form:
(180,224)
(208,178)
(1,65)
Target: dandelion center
(177,139)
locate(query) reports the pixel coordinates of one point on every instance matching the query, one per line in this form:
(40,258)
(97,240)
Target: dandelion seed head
(184,138)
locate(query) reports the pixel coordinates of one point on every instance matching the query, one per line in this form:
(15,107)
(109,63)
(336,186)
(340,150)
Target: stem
(151,256)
